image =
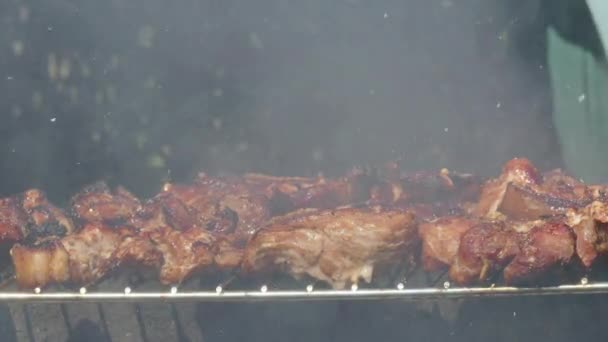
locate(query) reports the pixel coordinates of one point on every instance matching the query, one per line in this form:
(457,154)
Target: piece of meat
(590,225)
(217,204)
(80,258)
(195,227)
(13,219)
(166,209)
(97,203)
(385,186)
(183,207)
(523,193)
(39,266)
(179,254)
(183,252)
(228,252)
(484,249)
(291,193)
(544,247)
(438,190)
(30,217)
(138,251)
(337,246)
(91,252)
(442,186)
(441,239)
(521,250)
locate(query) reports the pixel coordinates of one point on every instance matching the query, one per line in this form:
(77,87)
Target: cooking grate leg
(64,314)
(178,326)
(104,324)
(46,322)
(140,323)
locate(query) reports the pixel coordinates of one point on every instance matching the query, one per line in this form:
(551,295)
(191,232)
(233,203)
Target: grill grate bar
(104,324)
(140,323)
(28,324)
(264,293)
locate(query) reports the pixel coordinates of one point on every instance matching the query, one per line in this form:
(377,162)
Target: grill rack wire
(177,304)
(439,288)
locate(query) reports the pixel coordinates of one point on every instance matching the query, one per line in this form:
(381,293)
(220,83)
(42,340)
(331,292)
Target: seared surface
(97,203)
(336,246)
(516,228)
(441,240)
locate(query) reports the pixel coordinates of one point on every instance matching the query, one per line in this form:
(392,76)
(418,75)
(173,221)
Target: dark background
(137,92)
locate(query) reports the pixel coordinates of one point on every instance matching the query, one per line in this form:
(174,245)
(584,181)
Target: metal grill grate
(139,312)
(420,286)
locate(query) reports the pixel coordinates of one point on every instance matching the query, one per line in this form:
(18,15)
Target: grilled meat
(443,186)
(30,216)
(523,250)
(590,224)
(544,247)
(386,186)
(91,252)
(441,240)
(339,231)
(40,265)
(81,258)
(523,193)
(485,248)
(336,246)
(291,193)
(13,219)
(183,252)
(97,203)
(215,204)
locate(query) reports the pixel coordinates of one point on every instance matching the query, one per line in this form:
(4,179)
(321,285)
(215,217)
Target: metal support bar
(400,291)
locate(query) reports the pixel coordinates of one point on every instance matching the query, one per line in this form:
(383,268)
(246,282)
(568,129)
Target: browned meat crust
(336,246)
(520,225)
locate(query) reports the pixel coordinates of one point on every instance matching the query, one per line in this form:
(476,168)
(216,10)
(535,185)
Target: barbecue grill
(440,289)
(125,87)
(146,314)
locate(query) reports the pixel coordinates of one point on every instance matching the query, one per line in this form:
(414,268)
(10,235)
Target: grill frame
(400,291)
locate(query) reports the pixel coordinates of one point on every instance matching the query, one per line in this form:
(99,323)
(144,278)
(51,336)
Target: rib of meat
(441,239)
(590,224)
(97,203)
(39,266)
(216,204)
(395,188)
(443,186)
(542,248)
(195,227)
(523,249)
(385,186)
(30,216)
(90,254)
(178,254)
(183,252)
(522,193)
(80,258)
(336,246)
(229,252)
(291,193)
(13,219)
(484,249)
(32,220)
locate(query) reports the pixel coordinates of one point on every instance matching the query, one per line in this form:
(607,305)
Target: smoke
(143,93)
